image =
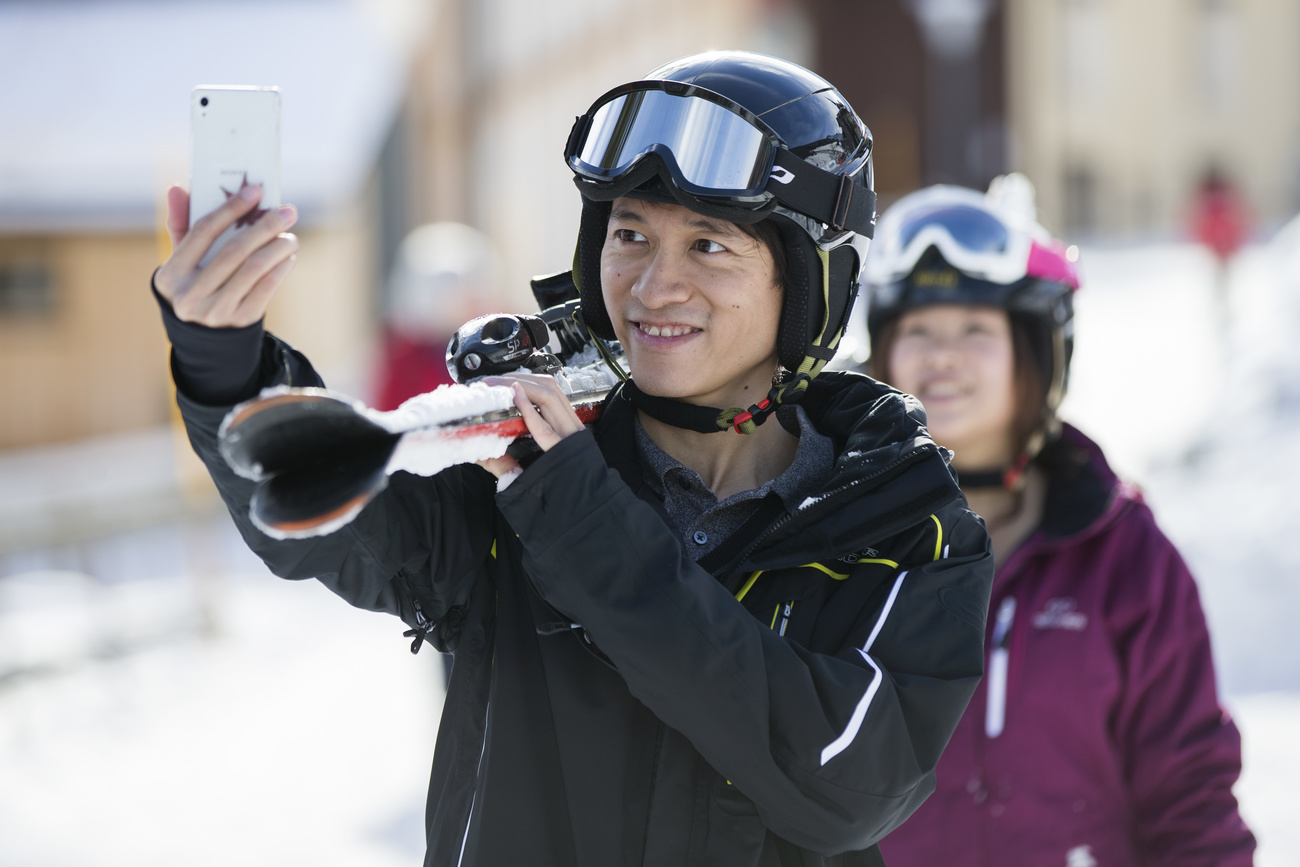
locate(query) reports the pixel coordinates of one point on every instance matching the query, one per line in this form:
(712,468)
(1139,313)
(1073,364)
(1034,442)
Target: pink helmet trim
(1051,263)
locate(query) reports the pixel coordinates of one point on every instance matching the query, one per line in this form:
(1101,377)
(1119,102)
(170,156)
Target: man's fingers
(178,214)
(254,305)
(538,427)
(207,229)
(225,273)
(546,411)
(502,466)
(221,308)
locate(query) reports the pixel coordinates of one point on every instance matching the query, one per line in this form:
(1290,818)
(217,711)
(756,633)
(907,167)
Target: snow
(271,725)
(445,403)
(164,700)
(426,453)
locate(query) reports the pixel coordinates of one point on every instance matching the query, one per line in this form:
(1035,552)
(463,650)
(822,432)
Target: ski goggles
(712,149)
(971,237)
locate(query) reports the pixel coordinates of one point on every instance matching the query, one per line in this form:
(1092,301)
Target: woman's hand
(546,411)
(234,288)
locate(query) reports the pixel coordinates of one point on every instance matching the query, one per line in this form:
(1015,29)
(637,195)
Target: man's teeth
(667,330)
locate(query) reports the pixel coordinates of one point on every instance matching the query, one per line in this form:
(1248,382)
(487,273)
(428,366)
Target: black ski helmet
(742,137)
(951,245)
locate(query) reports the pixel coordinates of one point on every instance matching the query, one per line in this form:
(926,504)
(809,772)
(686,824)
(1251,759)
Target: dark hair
(767,234)
(1028,387)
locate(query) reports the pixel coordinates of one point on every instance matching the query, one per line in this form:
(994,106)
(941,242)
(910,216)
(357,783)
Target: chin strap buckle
(746,423)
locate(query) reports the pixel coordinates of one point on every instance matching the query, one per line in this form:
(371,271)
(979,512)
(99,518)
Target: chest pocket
(803,603)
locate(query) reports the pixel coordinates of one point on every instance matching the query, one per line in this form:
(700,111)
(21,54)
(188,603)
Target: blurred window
(26,279)
(1217,52)
(1087,56)
(1080,201)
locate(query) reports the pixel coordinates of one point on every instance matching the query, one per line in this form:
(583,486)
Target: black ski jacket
(612,702)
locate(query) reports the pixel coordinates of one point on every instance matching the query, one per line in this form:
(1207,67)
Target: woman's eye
(704,245)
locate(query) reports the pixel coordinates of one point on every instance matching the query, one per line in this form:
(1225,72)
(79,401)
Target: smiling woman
(1097,727)
(972,369)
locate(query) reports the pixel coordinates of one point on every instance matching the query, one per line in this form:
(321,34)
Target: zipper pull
(995,712)
(422,627)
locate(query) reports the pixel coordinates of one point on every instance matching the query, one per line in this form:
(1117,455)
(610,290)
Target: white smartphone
(234,142)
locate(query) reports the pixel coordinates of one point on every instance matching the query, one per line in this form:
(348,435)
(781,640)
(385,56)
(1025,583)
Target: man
(691,634)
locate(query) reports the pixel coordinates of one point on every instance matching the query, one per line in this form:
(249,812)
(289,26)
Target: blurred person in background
(1096,738)
(697,633)
(1220,221)
(444,275)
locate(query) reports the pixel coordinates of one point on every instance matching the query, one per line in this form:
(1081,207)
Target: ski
(317,457)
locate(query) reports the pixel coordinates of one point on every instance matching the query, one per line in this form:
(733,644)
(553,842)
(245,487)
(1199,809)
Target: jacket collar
(882,450)
(1082,488)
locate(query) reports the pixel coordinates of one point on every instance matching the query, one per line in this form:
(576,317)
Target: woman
(1096,737)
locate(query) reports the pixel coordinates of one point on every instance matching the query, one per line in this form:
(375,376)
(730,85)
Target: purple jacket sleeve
(1182,752)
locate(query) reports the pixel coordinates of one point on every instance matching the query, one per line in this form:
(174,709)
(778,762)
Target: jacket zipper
(995,712)
(423,625)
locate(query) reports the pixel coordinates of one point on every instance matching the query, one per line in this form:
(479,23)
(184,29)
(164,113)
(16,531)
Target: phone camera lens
(203,101)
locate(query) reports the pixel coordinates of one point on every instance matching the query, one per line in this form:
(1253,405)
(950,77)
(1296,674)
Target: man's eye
(704,245)
(628,236)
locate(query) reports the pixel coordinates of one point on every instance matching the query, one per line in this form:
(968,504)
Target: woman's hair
(1029,388)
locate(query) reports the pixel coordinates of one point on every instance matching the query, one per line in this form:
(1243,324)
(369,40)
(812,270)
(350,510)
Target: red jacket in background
(1114,751)
(409,367)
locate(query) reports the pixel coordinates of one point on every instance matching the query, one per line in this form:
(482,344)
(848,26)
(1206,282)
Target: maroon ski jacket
(1096,738)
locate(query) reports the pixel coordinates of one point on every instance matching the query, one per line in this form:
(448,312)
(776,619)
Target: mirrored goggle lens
(715,149)
(974,229)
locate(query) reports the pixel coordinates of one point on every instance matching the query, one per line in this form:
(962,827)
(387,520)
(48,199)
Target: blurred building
(403,112)
(1119,109)
(87,148)
(497,85)
(1116,109)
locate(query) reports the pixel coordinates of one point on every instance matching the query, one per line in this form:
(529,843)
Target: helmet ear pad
(806,292)
(586,267)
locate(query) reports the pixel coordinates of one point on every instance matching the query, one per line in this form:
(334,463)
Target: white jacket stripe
(837,746)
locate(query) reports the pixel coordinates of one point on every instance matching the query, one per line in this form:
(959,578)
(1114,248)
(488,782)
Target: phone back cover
(235,141)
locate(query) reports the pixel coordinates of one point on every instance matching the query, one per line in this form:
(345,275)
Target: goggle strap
(576,133)
(825,196)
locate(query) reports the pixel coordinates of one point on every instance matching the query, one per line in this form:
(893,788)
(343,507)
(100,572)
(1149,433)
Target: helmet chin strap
(1012,478)
(701,419)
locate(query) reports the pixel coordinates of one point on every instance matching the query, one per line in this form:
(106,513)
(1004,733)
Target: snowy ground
(163,700)
(274,726)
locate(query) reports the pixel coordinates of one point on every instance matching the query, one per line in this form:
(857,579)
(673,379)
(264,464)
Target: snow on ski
(318,457)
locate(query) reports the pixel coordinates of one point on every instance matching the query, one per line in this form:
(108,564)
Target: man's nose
(664,281)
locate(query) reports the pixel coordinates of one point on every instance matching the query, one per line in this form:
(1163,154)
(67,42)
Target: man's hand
(546,411)
(234,288)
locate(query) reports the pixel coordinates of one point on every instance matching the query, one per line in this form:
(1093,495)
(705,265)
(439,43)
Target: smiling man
(736,621)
